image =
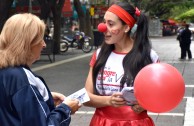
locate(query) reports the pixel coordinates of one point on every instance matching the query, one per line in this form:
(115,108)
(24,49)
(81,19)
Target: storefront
(169,27)
(98,15)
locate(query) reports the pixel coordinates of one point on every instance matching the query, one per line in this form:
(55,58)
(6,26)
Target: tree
(81,15)
(183,12)
(45,9)
(84,19)
(164,8)
(188,15)
(54,7)
(5,6)
(47,6)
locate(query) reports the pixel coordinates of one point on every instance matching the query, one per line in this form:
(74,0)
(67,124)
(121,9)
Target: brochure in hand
(81,95)
(128,95)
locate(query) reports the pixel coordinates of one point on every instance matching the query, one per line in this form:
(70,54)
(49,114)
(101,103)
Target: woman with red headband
(115,65)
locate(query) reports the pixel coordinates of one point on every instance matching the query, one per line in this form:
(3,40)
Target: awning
(67,10)
(168,22)
(172,22)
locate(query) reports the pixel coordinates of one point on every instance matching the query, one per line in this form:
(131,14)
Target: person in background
(47,32)
(25,99)
(182,57)
(115,65)
(75,26)
(186,40)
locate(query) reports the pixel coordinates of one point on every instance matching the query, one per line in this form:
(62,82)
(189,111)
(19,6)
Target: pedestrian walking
(25,99)
(115,65)
(186,40)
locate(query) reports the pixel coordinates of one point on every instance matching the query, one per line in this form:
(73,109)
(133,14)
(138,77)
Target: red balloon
(102,27)
(159,87)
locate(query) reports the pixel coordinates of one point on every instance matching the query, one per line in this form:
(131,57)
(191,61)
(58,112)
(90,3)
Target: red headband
(121,13)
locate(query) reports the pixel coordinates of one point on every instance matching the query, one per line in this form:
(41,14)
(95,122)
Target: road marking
(176,61)
(187,97)
(189,113)
(189,86)
(149,113)
(60,62)
(166,114)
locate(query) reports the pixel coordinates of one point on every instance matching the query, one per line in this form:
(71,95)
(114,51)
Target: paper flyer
(128,95)
(81,95)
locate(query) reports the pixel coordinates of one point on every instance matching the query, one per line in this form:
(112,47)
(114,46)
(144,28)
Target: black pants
(186,50)
(183,55)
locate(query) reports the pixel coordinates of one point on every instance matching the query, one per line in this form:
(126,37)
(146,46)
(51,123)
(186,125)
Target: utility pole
(30,6)
(108,3)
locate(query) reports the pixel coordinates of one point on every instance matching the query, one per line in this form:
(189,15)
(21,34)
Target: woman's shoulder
(13,72)
(14,78)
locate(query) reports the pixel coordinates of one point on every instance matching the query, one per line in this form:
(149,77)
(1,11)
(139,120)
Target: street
(68,74)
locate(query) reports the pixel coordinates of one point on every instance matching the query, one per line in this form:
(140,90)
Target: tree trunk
(81,15)
(84,20)
(45,9)
(54,6)
(89,31)
(5,6)
(56,11)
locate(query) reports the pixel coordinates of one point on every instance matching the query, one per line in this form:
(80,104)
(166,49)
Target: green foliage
(183,12)
(165,9)
(186,16)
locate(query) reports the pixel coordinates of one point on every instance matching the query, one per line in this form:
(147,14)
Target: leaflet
(81,95)
(128,95)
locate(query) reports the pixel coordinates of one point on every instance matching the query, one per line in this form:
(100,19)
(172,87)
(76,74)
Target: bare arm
(101,101)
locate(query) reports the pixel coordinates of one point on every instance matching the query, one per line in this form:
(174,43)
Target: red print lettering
(109,73)
(99,78)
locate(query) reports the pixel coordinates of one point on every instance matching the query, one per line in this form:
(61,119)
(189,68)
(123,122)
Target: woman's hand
(137,108)
(116,100)
(73,104)
(58,98)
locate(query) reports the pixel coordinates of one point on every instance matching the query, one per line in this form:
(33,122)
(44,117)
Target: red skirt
(121,116)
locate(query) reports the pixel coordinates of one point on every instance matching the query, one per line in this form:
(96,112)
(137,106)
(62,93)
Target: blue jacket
(25,100)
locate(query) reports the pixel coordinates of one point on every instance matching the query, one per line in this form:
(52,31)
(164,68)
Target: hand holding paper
(128,95)
(81,95)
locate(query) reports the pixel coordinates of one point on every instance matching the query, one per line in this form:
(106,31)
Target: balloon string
(157,117)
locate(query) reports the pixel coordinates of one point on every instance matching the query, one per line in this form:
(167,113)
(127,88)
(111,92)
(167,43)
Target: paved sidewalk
(183,115)
(169,52)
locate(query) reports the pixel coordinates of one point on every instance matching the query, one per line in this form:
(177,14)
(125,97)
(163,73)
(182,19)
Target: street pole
(30,6)
(108,3)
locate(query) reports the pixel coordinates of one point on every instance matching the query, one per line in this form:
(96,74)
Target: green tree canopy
(188,15)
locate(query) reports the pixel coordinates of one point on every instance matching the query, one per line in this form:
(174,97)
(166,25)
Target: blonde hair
(19,34)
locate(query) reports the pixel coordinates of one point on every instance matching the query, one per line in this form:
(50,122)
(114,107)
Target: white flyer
(81,95)
(128,95)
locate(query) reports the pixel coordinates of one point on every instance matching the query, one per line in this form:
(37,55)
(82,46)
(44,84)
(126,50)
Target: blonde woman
(25,99)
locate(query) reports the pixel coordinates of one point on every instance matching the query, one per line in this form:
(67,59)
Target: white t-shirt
(113,72)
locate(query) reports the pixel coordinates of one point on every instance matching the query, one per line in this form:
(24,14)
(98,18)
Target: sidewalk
(168,50)
(170,53)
